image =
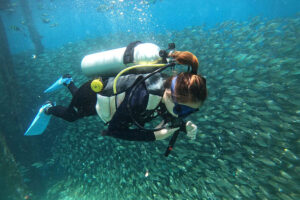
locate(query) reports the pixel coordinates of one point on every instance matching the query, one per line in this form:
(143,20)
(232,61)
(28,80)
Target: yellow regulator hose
(130,68)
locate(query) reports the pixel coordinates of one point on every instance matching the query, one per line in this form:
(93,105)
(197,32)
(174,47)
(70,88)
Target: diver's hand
(191,130)
(164,133)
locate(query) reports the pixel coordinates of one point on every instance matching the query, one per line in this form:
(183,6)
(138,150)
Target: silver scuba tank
(110,63)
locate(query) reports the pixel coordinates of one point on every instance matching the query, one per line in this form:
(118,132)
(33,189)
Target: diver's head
(184,94)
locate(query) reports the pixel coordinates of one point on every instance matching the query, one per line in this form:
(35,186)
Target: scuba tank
(136,58)
(111,62)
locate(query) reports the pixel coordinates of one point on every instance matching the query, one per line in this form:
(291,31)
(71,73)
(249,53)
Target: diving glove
(191,130)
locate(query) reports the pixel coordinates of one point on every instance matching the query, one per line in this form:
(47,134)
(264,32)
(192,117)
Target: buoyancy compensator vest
(137,57)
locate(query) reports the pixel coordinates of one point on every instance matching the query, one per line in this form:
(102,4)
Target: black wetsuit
(83,104)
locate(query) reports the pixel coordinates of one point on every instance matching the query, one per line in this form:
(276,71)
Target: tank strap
(129,52)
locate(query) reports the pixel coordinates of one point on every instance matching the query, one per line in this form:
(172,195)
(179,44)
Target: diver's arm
(119,128)
(130,134)
(139,135)
(164,133)
(190,130)
(143,135)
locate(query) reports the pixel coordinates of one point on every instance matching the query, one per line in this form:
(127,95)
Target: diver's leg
(82,104)
(70,84)
(84,101)
(72,88)
(68,114)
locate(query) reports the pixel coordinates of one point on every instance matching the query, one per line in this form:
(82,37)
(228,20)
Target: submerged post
(33,33)
(7,78)
(4,4)
(5,56)
(11,183)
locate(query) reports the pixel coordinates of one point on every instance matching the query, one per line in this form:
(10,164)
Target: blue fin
(58,84)
(40,122)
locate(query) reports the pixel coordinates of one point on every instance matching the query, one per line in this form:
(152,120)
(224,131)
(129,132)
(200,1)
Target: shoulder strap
(128,56)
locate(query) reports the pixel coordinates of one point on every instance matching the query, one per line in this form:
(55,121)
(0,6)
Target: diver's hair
(189,87)
(186,58)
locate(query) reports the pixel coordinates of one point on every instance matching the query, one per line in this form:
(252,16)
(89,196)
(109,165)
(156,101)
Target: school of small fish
(248,141)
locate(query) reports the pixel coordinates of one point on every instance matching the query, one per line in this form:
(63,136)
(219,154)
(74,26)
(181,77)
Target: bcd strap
(128,56)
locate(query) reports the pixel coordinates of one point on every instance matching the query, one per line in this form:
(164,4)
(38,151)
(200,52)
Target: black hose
(181,122)
(171,143)
(132,92)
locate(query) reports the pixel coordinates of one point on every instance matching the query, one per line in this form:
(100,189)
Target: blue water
(247,146)
(78,20)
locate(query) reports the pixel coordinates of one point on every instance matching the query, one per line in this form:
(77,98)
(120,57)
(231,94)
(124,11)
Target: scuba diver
(140,99)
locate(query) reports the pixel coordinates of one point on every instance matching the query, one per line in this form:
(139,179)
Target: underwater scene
(248,140)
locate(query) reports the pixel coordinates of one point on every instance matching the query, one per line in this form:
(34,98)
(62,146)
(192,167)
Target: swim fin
(40,122)
(59,84)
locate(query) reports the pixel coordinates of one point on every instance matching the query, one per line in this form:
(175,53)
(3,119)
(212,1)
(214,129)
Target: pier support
(11,183)
(33,33)
(4,4)
(8,83)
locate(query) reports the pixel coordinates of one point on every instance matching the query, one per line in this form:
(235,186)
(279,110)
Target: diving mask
(180,109)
